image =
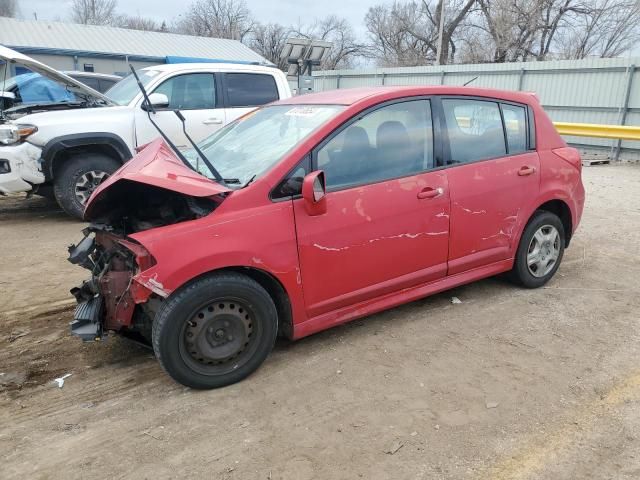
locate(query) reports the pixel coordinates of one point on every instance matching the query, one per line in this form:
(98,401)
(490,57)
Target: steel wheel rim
(543,251)
(219,336)
(87,183)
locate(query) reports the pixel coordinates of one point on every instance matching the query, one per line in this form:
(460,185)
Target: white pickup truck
(74,145)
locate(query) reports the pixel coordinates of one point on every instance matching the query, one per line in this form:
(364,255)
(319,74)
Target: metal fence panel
(601,91)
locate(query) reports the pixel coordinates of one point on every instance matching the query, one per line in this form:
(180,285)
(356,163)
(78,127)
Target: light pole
(440,33)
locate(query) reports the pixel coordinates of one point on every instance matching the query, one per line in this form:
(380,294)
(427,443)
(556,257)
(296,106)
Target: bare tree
(406,33)
(606,28)
(346,48)
(217,18)
(520,30)
(8,8)
(268,40)
(94,12)
(138,22)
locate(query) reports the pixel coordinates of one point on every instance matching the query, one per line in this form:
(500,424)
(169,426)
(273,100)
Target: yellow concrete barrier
(616,132)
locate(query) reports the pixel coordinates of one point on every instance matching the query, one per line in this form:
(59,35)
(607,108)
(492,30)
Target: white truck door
(194,94)
(246,91)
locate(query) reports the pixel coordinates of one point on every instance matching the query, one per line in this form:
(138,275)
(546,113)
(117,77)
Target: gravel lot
(509,384)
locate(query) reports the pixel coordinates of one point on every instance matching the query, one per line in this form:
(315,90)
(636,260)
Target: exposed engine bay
(129,207)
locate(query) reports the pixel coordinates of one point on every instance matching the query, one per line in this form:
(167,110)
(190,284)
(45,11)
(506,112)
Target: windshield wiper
(232,181)
(248,182)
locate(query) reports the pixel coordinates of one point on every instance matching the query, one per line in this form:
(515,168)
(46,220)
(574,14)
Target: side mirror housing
(314,193)
(158,100)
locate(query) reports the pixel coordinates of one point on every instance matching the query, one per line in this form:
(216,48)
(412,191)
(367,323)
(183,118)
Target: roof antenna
(470,81)
(150,110)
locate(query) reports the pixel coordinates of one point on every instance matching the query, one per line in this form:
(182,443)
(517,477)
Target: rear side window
(193,91)
(475,130)
(250,89)
(90,82)
(515,124)
(106,85)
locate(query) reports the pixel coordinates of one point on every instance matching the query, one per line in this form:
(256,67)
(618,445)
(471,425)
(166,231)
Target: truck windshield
(126,89)
(250,146)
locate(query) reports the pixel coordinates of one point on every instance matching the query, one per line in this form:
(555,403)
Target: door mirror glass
(158,100)
(318,189)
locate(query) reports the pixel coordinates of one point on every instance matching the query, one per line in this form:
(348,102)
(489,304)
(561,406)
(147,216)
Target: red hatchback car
(333,206)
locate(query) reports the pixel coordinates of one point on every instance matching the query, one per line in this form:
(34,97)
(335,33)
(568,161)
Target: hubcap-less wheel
(218,337)
(544,250)
(87,183)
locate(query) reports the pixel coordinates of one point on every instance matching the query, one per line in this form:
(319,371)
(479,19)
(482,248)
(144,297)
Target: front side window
(193,91)
(475,130)
(254,143)
(250,89)
(390,142)
(515,124)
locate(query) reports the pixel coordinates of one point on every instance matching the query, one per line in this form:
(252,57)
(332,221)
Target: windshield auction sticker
(302,112)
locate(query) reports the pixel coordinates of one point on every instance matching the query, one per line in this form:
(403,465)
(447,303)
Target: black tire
(521,273)
(73,174)
(191,329)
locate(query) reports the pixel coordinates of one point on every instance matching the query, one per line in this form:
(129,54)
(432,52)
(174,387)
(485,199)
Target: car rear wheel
(540,251)
(78,177)
(215,331)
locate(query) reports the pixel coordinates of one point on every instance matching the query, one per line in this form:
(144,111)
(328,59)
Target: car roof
(80,73)
(213,66)
(350,96)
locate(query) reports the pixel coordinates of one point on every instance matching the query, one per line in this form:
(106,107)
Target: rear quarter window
(250,89)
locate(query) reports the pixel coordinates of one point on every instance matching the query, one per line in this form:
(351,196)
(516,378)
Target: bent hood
(11,56)
(158,166)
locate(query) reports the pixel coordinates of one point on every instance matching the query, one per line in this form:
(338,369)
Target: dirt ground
(509,384)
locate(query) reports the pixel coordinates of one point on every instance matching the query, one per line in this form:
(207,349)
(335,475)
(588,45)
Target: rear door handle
(429,192)
(526,170)
(212,121)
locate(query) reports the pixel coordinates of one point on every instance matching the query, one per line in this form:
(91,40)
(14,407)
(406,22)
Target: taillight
(570,155)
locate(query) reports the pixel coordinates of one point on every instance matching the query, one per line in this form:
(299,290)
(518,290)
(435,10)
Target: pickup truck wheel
(215,331)
(78,177)
(540,251)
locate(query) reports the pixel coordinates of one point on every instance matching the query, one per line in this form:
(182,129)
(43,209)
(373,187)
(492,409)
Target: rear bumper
(23,161)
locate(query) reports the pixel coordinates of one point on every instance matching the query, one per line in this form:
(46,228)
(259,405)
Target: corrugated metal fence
(601,91)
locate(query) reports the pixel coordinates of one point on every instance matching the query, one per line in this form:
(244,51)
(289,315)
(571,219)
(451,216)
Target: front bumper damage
(108,300)
(21,168)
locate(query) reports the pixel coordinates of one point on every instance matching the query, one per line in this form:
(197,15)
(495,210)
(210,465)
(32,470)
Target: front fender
(59,144)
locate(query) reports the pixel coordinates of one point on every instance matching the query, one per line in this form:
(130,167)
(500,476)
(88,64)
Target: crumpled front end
(107,301)
(20,167)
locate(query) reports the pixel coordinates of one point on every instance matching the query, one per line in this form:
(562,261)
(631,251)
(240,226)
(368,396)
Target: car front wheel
(540,251)
(78,177)
(215,331)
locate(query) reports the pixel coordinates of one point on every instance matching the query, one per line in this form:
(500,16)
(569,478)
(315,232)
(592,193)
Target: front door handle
(429,192)
(213,121)
(526,170)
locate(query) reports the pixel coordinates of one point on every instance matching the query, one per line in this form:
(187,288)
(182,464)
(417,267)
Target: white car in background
(72,146)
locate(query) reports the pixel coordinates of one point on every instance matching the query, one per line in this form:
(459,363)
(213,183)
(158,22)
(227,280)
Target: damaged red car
(322,208)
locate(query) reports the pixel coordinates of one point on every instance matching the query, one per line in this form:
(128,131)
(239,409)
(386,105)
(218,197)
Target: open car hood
(158,166)
(75,86)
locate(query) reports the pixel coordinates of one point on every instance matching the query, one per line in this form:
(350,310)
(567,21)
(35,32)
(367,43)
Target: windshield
(126,89)
(250,146)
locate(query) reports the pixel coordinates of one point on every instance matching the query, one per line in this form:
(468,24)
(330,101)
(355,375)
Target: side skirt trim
(384,302)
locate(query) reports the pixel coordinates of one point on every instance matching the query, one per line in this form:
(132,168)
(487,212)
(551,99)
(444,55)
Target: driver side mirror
(158,100)
(314,193)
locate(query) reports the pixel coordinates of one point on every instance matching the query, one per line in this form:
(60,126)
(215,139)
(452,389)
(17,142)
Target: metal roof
(30,36)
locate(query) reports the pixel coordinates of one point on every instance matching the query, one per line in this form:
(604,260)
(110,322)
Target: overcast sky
(281,11)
